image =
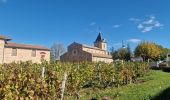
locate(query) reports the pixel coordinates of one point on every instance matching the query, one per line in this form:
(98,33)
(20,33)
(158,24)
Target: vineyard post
(63,86)
(78,66)
(122,63)
(43,71)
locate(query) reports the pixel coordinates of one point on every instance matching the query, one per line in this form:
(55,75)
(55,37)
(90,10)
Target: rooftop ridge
(25,46)
(5,38)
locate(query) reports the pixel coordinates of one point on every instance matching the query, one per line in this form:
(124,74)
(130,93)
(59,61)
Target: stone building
(79,52)
(14,52)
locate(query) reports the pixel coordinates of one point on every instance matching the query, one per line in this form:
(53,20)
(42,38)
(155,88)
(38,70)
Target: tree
(122,53)
(129,53)
(148,51)
(164,52)
(57,50)
(114,54)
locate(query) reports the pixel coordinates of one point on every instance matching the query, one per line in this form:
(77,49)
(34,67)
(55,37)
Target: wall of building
(84,56)
(106,60)
(101,45)
(76,54)
(91,50)
(104,46)
(79,53)
(25,55)
(2,42)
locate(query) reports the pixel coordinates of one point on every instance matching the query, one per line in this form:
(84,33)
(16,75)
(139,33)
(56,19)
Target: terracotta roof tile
(5,38)
(25,46)
(92,47)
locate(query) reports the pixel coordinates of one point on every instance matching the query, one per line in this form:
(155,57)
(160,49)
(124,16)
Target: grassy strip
(147,87)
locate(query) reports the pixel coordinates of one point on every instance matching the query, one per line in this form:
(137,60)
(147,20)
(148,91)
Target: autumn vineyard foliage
(24,80)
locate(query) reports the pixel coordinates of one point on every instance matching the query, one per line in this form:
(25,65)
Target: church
(79,52)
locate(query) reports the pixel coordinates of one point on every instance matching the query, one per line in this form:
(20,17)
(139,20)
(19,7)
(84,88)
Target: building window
(74,52)
(14,52)
(33,53)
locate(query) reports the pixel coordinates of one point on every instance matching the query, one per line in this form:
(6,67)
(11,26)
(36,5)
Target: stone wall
(2,42)
(90,50)
(106,60)
(84,56)
(76,54)
(79,53)
(101,45)
(25,55)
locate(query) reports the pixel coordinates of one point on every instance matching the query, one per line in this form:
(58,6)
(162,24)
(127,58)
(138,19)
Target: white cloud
(151,20)
(116,26)
(140,26)
(158,24)
(147,29)
(136,20)
(148,24)
(92,23)
(134,40)
(152,16)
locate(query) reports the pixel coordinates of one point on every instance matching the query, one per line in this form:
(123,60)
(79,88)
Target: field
(154,86)
(83,81)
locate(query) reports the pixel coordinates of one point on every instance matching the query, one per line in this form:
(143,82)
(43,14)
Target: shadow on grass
(164,95)
(165,69)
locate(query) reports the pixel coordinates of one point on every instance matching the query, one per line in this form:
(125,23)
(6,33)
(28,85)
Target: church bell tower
(100,42)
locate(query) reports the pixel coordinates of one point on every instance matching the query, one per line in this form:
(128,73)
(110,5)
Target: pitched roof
(5,38)
(99,38)
(25,46)
(92,47)
(86,46)
(75,43)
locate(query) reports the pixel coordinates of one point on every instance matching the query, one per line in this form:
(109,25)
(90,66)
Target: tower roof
(99,38)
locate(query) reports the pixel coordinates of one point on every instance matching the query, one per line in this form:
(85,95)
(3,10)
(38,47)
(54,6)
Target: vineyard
(25,80)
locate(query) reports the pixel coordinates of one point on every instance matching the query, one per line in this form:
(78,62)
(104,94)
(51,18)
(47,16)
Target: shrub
(24,80)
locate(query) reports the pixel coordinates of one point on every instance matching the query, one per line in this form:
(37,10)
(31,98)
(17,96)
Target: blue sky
(65,21)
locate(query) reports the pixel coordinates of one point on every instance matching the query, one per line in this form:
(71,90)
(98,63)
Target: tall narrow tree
(57,49)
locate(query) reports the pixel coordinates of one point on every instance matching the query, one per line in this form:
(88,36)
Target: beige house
(79,52)
(14,52)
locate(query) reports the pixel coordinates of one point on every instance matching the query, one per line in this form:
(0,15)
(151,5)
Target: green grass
(155,86)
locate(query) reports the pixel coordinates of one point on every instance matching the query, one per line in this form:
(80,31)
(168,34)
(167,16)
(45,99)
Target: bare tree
(57,49)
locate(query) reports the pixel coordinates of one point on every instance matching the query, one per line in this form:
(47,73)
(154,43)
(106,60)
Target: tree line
(146,50)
